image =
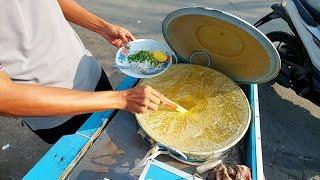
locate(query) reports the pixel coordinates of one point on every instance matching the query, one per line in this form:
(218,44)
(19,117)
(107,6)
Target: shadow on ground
(25,148)
(290,134)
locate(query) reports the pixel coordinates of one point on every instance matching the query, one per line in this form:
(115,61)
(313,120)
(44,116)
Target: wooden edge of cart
(63,156)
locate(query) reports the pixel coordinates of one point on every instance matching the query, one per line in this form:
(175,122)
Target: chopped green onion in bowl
(143,56)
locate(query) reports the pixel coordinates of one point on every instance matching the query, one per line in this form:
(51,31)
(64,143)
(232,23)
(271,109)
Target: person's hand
(117,36)
(142,99)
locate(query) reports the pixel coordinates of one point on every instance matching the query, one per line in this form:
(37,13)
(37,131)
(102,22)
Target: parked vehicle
(299,50)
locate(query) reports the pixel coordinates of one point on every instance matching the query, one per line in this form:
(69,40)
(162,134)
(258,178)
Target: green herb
(142,56)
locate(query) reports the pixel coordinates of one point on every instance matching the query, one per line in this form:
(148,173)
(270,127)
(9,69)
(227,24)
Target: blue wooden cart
(64,156)
(107,145)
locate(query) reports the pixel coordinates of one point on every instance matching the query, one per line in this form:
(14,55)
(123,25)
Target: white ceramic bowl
(134,47)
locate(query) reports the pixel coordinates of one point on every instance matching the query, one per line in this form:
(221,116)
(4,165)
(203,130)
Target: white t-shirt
(38,46)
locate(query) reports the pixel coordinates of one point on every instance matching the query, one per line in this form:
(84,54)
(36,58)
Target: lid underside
(235,47)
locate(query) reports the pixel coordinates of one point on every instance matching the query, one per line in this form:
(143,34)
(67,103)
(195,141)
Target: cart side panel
(253,139)
(64,155)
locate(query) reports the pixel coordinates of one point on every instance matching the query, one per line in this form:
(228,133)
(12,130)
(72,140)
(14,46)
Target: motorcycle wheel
(288,48)
(292,50)
(287,45)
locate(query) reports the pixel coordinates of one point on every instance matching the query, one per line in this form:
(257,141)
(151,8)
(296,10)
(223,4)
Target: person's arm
(34,100)
(73,12)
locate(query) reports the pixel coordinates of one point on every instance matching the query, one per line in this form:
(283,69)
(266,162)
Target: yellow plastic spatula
(174,105)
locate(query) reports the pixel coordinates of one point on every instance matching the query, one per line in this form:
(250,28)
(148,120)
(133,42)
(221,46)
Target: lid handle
(202,54)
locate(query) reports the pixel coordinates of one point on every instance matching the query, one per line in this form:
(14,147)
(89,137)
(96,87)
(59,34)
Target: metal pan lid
(233,46)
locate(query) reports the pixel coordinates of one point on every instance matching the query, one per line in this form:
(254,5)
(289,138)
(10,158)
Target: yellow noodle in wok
(218,110)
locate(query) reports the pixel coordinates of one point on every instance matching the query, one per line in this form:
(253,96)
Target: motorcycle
(300,50)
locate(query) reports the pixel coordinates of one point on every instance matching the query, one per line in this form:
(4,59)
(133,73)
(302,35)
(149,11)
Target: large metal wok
(218,117)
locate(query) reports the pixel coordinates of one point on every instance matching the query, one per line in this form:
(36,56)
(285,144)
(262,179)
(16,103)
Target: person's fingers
(118,44)
(158,95)
(150,90)
(144,102)
(143,109)
(155,92)
(152,106)
(149,104)
(136,108)
(114,41)
(130,36)
(123,37)
(122,44)
(154,99)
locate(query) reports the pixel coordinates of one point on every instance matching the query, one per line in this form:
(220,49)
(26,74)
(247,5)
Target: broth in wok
(218,110)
